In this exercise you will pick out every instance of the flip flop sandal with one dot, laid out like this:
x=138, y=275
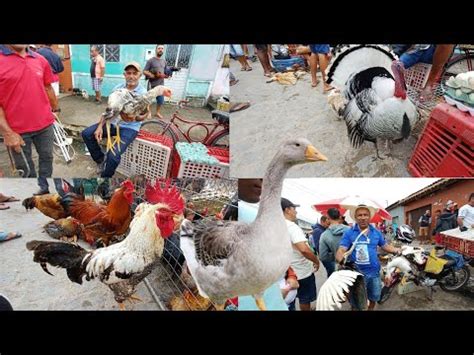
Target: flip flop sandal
x=239, y=106
x=4, y=236
x=9, y=199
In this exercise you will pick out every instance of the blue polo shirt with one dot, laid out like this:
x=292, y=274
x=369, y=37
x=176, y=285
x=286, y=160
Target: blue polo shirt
x=364, y=254
x=140, y=90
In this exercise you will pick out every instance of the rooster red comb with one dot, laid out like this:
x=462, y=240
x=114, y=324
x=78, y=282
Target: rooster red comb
x=128, y=185
x=168, y=195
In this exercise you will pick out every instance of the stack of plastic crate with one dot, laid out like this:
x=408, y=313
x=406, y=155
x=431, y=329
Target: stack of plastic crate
x=191, y=169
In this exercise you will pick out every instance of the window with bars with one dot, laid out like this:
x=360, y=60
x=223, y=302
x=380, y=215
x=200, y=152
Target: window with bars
x=110, y=52
x=178, y=55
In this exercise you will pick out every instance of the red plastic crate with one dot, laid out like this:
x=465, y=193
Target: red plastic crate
x=156, y=138
x=446, y=146
x=220, y=154
x=462, y=246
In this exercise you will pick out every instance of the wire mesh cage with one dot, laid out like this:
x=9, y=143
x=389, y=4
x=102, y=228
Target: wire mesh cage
x=170, y=282
x=416, y=78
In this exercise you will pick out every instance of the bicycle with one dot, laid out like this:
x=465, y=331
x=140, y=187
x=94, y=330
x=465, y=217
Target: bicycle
x=216, y=133
x=460, y=62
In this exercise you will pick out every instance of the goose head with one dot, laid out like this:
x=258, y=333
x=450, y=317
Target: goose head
x=299, y=151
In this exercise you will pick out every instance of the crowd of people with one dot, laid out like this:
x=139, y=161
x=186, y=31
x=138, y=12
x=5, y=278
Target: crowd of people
x=330, y=239
x=29, y=105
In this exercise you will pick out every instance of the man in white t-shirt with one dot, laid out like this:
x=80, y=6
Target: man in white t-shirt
x=304, y=262
x=186, y=227
x=466, y=214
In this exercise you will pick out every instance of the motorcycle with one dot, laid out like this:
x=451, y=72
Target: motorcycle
x=411, y=265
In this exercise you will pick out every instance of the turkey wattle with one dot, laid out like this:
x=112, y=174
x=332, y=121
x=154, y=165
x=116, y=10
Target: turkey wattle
x=371, y=95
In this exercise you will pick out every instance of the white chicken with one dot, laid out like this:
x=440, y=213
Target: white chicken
x=373, y=95
x=131, y=104
x=121, y=266
x=336, y=288
x=236, y=259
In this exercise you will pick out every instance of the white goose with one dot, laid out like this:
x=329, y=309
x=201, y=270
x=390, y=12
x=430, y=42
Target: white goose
x=239, y=259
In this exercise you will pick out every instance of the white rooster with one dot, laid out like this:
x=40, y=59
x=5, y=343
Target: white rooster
x=121, y=266
x=131, y=104
x=371, y=94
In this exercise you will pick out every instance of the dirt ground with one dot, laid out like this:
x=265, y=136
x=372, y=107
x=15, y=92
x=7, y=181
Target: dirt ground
x=77, y=114
x=281, y=111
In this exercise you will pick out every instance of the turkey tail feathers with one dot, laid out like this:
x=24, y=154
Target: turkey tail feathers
x=352, y=58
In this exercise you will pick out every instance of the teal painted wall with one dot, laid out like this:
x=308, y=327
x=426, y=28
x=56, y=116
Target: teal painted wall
x=205, y=62
x=203, y=66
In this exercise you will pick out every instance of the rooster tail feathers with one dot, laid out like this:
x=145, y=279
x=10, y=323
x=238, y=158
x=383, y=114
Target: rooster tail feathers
x=29, y=203
x=67, y=200
x=64, y=255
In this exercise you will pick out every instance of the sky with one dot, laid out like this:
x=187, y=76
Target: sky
x=385, y=191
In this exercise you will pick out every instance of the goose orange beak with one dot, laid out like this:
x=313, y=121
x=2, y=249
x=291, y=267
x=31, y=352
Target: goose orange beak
x=312, y=154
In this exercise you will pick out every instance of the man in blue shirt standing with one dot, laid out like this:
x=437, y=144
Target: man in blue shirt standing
x=318, y=229
x=363, y=239
x=129, y=127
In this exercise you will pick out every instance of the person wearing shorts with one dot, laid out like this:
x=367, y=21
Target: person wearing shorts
x=425, y=222
x=364, y=255
x=320, y=55
x=97, y=71
x=237, y=52
x=304, y=262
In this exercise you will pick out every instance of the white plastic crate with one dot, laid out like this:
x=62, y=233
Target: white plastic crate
x=408, y=287
x=194, y=170
x=417, y=76
x=145, y=157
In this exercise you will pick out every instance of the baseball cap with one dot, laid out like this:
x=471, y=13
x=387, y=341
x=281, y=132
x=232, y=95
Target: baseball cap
x=285, y=203
x=133, y=64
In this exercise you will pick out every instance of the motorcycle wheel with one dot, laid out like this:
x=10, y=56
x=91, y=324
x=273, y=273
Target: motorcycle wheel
x=450, y=283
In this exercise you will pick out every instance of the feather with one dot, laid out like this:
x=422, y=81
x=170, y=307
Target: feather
x=332, y=291
x=353, y=58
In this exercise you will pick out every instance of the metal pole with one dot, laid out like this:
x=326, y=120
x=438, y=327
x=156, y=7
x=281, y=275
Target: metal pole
x=154, y=295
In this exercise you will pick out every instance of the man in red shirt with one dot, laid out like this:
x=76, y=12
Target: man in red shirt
x=26, y=101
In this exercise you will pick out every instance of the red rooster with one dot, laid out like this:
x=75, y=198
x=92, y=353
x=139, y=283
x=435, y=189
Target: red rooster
x=102, y=222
